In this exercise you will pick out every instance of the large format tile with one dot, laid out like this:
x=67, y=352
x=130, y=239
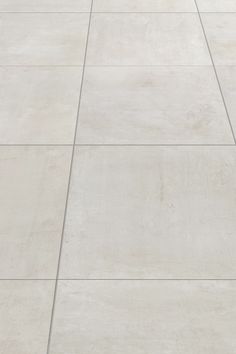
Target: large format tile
x=221, y=33
x=38, y=104
x=111, y=317
x=25, y=311
x=33, y=192
x=43, y=39
x=216, y=5
x=227, y=76
x=45, y=5
x=146, y=39
x=152, y=105
x=151, y=212
x=147, y=5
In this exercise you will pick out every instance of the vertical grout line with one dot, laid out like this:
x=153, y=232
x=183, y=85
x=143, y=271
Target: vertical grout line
x=68, y=187
x=217, y=78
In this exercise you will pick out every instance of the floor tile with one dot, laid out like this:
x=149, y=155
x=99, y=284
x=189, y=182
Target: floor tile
x=227, y=76
x=144, y=105
x=43, y=39
x=146, y=39
x=221, y=33
x=217, y=5
x=142, y=317
x=151, y=212
x=33, y=192
x=38, y=105
x=145, y=6
x=25, y=311
x=45, y=5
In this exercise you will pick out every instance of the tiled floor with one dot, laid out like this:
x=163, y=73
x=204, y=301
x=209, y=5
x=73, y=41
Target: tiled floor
x=117, y=177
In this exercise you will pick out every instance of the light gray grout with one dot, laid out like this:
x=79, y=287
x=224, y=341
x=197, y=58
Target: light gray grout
x=104, y=145
x=214, y=67
x=68, y=188
x=121, y=279
x=116, y=12
x=115, y=66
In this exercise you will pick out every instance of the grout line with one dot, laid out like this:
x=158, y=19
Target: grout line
x=123, y=279
x=143, y=145
x=127, y=145
x=68, y=188
x=115, y=66
x=116, y=12
x=214, y=67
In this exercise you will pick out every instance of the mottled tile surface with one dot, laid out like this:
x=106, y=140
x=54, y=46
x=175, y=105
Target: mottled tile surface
x=151, y=212
x=25, y=313
x=147, y=39
x=145, y=317
x=45, y=5
x=144, y=6
x=33, y=192
x=38, y=105
x=43, y=39
x=221, y=34
x=158, y=105
x=117, y=177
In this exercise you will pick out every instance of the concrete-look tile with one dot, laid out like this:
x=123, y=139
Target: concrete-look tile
x=38, y=105
x=216, y=5
x=147, y=5
x=227, y=76
x=25, y=311
x=43, y=39
x=151, y=212
x=111, y=317
x=45, y=5
x=152, y=105
x=146, y=39
x=33, y=192
x=221, y=34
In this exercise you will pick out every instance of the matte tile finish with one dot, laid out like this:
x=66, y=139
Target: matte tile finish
x=43, y=39
x=25, y=310
x=145, y=317
x=217, y=5
x=132, y=105
x=33, y=192
x=147, y=39
x=45, y=5
x=151, y=212
x=147, y=5
x=221, y=33
x=227, y=77
x=38, y=105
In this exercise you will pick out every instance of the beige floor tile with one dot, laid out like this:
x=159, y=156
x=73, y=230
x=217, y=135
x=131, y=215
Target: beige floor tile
x=38, y=105
x=142, y=105
x=25, y=311
x=33, y=192
x=146, y=39
x=217, y=5
x=111, y=317
x=227, y=76
x=147, y=5
x=221, y=33
x=45, y=5
x=43, y=39
x=151, y=212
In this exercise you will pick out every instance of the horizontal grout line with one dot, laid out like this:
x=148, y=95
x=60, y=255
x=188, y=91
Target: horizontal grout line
x=6, y=145
x=154, y=145
x=117, y=12
x=114, y=66
x=104, y=145
x=123, y=279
